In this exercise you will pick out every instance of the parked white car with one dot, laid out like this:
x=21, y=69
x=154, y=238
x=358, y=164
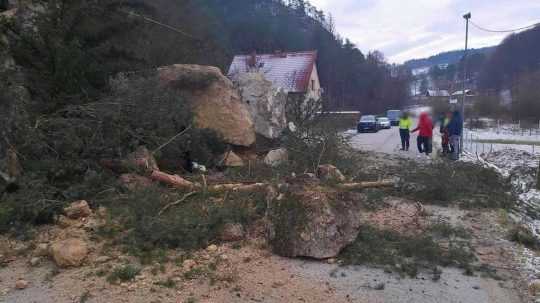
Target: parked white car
x=383, y=123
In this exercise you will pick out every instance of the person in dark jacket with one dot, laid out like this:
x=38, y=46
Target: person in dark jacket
x=455, y=131
x=425, y=134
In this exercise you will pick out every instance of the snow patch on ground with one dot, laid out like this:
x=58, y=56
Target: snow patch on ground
x=521, y=167
x=524, y=140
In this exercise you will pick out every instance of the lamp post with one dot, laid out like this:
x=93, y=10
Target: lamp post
x=466, y=17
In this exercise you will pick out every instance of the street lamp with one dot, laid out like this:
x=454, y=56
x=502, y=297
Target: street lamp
x=466, y=17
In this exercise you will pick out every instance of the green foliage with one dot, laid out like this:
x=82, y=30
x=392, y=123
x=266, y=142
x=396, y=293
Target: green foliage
x=192, y=225
x=406, y=254
x=60, y=151
x=316, y=141
x=123, y=273
x=287, y=215
x=468, y=185
x=446, y=230
x=523, y=235
x=69, y=52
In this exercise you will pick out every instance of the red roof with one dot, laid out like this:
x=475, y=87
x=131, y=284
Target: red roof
x=290, y=71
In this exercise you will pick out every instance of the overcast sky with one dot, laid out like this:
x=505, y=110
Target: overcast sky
x=407, y=29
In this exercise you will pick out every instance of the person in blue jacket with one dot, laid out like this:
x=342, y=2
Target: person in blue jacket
x=455, y=131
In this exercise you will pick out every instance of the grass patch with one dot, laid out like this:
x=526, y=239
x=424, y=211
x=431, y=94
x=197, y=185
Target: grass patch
x=405, y=254
x=123, y=273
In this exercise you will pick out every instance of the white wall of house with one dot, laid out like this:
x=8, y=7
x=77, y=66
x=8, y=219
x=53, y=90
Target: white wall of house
x=314, y=86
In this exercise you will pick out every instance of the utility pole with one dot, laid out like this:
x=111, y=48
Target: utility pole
x=466, y=17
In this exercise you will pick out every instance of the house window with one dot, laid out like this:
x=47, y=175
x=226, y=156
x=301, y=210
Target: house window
x=313, y=84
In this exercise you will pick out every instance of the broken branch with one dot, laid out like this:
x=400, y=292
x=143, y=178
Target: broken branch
x=172, y=139
x=176, y=202
x=238, y=187
x=364, y=185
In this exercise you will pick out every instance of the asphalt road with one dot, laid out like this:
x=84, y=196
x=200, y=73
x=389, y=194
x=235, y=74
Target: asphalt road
x=388, y=141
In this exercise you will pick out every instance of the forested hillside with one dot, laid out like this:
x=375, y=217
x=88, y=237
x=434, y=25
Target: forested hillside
x=451, y=57
x=516, y=57
x=212, y=32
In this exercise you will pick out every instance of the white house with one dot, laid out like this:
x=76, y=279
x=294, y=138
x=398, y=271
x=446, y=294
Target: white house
x=295, y=72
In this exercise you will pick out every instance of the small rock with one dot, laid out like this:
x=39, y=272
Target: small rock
x=78, y=209
x=188, y=264
x=329, y=172
x=534, y=287
x=42, y=250
x=20, y=248
x=212, y=248
x=331, y=261
x=103, y=259
x=21, y=284
x=476, y=287
x=230, y=159
x=379, y=286
x=232, y=232
x=69, y=252
x=35, y=261
x=66, y=222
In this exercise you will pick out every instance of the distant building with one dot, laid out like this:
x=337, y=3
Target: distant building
x=468, y=93
x=295, y=72
x=443, y=66
x=437, y=93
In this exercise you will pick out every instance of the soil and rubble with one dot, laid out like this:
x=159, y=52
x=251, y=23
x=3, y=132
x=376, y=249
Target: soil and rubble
x=242, y=267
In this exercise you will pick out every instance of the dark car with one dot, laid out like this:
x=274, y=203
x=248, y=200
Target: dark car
x=367, y=124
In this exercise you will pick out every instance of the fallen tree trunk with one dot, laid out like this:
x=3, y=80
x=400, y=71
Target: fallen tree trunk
x=172, y=180
x=364, y=185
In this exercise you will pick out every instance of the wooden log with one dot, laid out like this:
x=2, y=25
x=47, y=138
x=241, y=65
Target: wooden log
x=238, y=187
x=172, y=180
x=364, y=185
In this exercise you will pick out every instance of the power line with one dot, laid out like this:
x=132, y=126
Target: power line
x=503, y=31
x=177, y=30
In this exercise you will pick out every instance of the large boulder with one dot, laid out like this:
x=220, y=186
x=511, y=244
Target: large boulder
x=69, y=252
x=266, y=103
x=314, y=222
x=276, y=157
x=216, y=103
